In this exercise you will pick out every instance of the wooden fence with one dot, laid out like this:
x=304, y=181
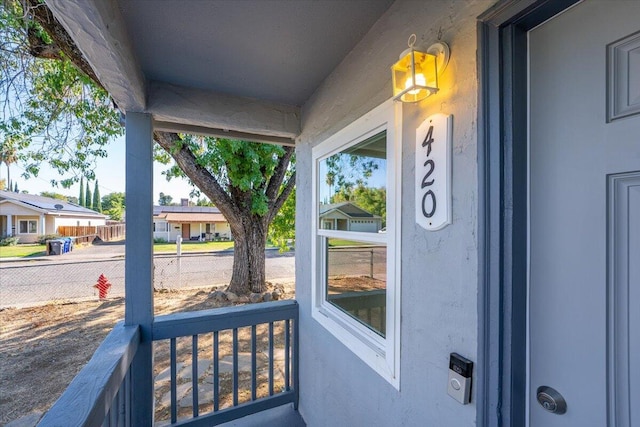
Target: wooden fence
x=105, y=232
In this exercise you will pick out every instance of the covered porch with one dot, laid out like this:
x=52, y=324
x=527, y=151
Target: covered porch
x=453, y=264
x=258, y=101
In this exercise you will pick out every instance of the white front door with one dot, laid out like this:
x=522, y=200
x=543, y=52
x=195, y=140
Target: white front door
x=584, y=218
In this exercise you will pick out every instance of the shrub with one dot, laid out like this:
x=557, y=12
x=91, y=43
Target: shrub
x=159, y=240
x=9, y=240
x=43, y=239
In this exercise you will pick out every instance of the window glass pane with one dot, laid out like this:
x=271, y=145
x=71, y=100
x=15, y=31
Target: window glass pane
x=357, y=281
x=23, y=227
x=353, y=187
x=33, y=227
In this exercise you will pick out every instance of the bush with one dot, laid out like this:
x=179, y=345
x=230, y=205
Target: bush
x=9, y=241
x=159, y=240
x=43, y=239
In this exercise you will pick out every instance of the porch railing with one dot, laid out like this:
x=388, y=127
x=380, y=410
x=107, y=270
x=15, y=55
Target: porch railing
x=246, y=375
x=101, y=393
x=240, y=369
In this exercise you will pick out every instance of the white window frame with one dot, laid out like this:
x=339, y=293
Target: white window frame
x=27, y=221
x=382, y=354
x=160, y=227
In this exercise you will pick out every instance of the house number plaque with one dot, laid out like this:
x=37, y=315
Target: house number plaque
x=433, y=172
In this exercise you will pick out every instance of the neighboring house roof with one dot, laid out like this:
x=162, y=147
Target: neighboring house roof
x=157, y=210
x=188, y=214
x=347, y=208
x=192, y=217
x=47, y=205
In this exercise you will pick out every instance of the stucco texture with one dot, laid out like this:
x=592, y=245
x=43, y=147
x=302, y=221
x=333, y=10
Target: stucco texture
x=439, y=269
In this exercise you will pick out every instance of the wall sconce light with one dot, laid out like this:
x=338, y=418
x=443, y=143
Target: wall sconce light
x=415, y=75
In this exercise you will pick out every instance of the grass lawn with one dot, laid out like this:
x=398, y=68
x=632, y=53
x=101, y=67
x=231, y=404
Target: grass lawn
x=22, y=251
x=189, y=246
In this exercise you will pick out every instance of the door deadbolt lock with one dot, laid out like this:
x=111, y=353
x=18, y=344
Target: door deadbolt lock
x=551, y=400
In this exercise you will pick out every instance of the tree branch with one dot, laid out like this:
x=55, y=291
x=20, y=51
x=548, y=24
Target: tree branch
x=284, y=195
x=278, y=175
x=200, y=176
x=62, y=42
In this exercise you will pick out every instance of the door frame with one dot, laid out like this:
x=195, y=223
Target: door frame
x=501, y=389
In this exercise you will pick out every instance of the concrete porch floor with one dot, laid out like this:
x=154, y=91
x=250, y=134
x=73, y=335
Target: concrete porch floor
x=282, y=416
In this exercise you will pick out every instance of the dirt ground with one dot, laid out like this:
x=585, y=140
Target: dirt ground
x=43, y=348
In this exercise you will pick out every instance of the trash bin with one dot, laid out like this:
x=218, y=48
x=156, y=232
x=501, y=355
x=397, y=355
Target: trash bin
x=55, y=247
x=68, y=245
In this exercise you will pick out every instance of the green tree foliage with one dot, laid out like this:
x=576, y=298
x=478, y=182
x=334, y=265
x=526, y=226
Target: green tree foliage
x=3, y=184
x=282, y=231
x=81, y=197
x=113, y=205
x=164, y=199
x=96, y=205
x=15, y=187
x=204, y=202
x=53, y=195
x=87, y=196
x=52, y=112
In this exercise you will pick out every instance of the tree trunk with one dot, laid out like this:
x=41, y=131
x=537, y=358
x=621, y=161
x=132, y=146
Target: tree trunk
x=250, y=238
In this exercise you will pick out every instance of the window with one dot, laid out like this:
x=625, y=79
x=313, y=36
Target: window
x=28, y=226
x=356, y=247
x=160, y=226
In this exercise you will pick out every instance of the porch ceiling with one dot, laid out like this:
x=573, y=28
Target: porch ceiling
x=221, y=67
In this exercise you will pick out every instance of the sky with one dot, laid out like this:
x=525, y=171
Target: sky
x=110, y=172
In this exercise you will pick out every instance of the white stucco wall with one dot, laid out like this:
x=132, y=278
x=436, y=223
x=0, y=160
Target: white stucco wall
x=439, y=269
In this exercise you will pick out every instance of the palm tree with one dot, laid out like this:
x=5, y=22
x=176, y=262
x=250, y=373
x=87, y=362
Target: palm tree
x=8, y=155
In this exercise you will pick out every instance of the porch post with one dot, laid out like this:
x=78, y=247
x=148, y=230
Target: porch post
x=9, y=225
x=43, y=225
x=139, y=260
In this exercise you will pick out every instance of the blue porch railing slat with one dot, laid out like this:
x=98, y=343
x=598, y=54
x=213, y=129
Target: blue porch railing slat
x=254, y=364
x=235, y=367
x=287, y=350
x=174, y=381
x=296, y=362
x=216, y=372
x=194, y=374
x=270, y=358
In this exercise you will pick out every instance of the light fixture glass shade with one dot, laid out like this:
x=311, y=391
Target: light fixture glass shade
x=415, y=76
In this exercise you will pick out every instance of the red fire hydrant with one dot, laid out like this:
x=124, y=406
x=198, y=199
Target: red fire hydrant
x=102, y=286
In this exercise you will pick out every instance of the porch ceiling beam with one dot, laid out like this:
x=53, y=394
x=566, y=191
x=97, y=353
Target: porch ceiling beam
x=218, y=114
x=99, y=31
x=220, y=133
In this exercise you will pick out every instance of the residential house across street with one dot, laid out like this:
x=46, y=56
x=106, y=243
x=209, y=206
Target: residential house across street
x=190, y=222
x=28, y=216
x=348, y=216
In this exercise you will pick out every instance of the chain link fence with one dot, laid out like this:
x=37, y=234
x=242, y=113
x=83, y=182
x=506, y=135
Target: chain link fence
x=40, y=282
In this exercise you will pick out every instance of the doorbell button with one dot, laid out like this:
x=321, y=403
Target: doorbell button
x=459, y=386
